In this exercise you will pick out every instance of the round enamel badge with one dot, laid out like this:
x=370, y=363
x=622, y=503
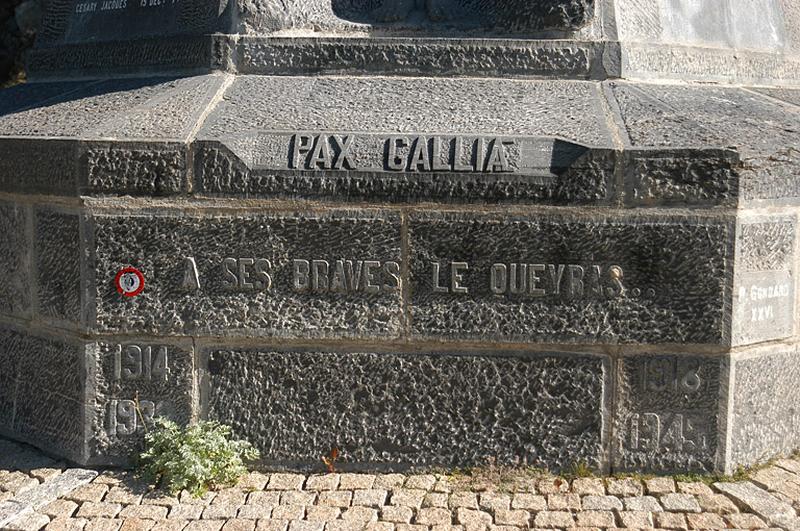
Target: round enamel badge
x=129, y=282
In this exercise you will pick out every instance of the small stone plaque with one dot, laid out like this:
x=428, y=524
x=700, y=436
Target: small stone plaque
x=568, y=278
x=667, y=410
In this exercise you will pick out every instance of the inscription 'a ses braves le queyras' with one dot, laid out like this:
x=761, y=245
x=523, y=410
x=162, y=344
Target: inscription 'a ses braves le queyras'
x=405, y=153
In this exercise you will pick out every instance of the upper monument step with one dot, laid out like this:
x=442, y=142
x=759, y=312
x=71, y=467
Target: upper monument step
x=752, y=41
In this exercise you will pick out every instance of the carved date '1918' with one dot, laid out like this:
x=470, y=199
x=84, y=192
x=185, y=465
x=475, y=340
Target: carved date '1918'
x=125, y=417
x=403, y=153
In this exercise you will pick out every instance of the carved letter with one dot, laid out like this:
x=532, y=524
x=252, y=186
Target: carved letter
x=229, y=278
x=497, y=161
x=301, y=144
x=459, y=153
x=392, y=269
x=191, y=279
x=420, y=159
x=498, y=280
x=263, y=279
x=300, y=278
x=345, y=146
x=576, y=273
x=436, y=156
x=321, y=155
x=456, y=277
x=369, y=277
x=517, y=281
x=338, y=283
x=533, y=279
x=394, y=161
x=319, y=275
x=244, y=275
x=555, y=278
x=436, y=287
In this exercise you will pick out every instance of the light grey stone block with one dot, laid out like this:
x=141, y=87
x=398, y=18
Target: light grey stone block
x=773, y=510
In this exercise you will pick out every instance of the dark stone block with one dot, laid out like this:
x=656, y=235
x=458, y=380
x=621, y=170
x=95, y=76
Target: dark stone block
x=15, y=259
x=765, y=419
x=134, y=382
x=39, y=166
x=667, y=413
x=58, y=265
x=284, y=274
x=568, y=279
x=136, y=168
x=46, y=391
x=395, y=410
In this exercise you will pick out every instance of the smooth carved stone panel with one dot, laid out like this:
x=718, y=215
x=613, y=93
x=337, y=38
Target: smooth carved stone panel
x=766, y=420
x=764, y=292
x=667, y=410
x=283, y=274
x=157, y=378
x=58, y=268
x=15, y=259
x=41, y=392
x=412, y=409
x=566, y=279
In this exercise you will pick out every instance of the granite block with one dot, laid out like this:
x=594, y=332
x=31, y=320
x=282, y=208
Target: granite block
x=156, y=378
x=397, y=409
x=570, y=279
x=667, y=412
x=57, y=249
x=290, y=274
x=135, y=168
x=15, y=259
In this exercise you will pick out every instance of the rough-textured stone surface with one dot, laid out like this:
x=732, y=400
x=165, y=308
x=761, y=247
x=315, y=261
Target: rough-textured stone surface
x=136, y=169
x=667, y=410
x=15, y=260
x=411, y=409
x=159, y=376
x=765, y=421
x=609, y=280
x=290, y=275
x=58, y=268
x=41, y=392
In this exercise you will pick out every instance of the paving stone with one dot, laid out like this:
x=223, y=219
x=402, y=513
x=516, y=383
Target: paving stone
x=240, y=524
x=93, y=492
x=66, y=524
x=339, y=498
x=387, y=481
x=716, y=503
x=17, y=482
x=759, y=501
x=381, y=526
x=554, y=519
x=45, y=473
x=552, y=486
x=642, y=503
x=397, y=514
x=272, y=525
x=790, y=465
x=98, y=509
x=471, y=517
x=221, y=511
x=655, y=486
x=286, y=482
x=342, y=525
x=159, y=497
x=779, y=481
x=492, y=501
x=151, y=512
x=408, y=497
x=595, y=519
x=32, y=521
x=170, y=525
x=254, y=481
x=371, y=497
x=468, y=500
x=204, y=525
x=322, y=482
x=512, y=517
x=625, y=487
x=123, y=495
x=188, y=498
x=234, y=496
x=59, y=509
x=678, y=503
x=110, y=477
x=436, y=499
x=601, y=503
x=297, y=497
x=288, y=512
x=745, y=521
x=422, y=481
x=362, y=481
x=533, y=502
x=671, y=521
x=360, y=514
x=563, y=502
x=585, y=486
x=411, y=527
x=186, y=512
x=103, y=524
x=302, y=525
x=137, y=524
x=705, y=521
x=321, y=513
x=267, y=498
x=637, y=519
x=254, y=512
x=695, y=488
x=433, y=516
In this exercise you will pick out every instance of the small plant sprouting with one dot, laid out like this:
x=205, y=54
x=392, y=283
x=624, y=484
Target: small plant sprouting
x=196, y=458
x=330, y=460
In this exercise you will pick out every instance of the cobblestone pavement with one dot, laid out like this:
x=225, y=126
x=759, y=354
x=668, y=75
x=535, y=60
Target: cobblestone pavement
x=39, y=493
